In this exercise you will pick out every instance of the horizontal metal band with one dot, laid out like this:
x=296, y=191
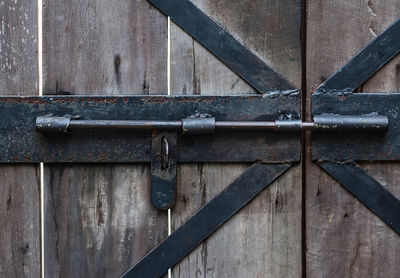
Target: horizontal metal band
x=20, y=142
x=207, y=220
x=359, y=145
x=367, y=190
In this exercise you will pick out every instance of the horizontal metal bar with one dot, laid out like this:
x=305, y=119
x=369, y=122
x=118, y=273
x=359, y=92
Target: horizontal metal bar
x=367, y=190
x=351, y=122
x=207, y=220
x=357, y=145
x=209, y=125
x=20, y=142
x=117, y=124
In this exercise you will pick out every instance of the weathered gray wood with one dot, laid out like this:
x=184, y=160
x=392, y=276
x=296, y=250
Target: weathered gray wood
x=99, y=218
x=104, y=48
x=18, y=48
x=344, y=239
x=19, y=187
x=19, y=221
x=264, y=239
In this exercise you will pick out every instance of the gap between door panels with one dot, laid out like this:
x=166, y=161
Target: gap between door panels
x=305, y=135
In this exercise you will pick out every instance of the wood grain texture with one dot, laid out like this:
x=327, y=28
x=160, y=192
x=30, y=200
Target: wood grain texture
x=104, y=48
x=99, y=218
x=19, y=221
x=264, y=239
x=345, y=239
x=18, y=48
x=19, y=187
x=270, y=29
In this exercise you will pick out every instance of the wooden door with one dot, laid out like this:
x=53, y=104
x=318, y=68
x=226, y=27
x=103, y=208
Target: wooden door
x=98, y=220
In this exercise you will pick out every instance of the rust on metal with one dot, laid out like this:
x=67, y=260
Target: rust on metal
x=133, y=118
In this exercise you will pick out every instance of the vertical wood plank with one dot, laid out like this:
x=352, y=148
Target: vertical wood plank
x=344, y=239
x=264, y=239
x=18, y=48
x=99, y=218
x=19, y=187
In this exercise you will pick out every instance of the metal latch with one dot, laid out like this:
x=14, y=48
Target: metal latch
x=164, y=137
x=65, y=124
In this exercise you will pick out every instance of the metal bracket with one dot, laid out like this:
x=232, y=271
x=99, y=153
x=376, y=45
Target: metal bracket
x=163, y=169
x=341, y=146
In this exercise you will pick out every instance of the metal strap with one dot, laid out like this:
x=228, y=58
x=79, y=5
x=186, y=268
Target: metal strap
x=223, y=45
x=368, y=61
x=357, y=146
x=20, y=142
x=207, y=220
x=163, y=169
x=367, y=190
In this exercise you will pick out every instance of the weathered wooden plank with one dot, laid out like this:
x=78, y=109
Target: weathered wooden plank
x=19, y=188
x=99, y=219
x=264, y=239
x=344, y=239
x=19, y=221
x=18, y=48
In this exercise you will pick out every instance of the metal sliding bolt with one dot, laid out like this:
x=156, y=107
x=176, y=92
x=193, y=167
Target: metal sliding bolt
x=326, y=122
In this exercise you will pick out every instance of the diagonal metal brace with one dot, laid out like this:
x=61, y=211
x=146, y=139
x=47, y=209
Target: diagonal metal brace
x=207, y=220
x=365, y=63
x=367, y=190
x=223, y=45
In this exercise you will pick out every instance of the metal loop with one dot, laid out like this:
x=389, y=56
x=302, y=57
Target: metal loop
x=164, y=153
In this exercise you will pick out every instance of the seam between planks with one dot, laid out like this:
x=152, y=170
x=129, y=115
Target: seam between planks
x=169, y=93
x=39, y=34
